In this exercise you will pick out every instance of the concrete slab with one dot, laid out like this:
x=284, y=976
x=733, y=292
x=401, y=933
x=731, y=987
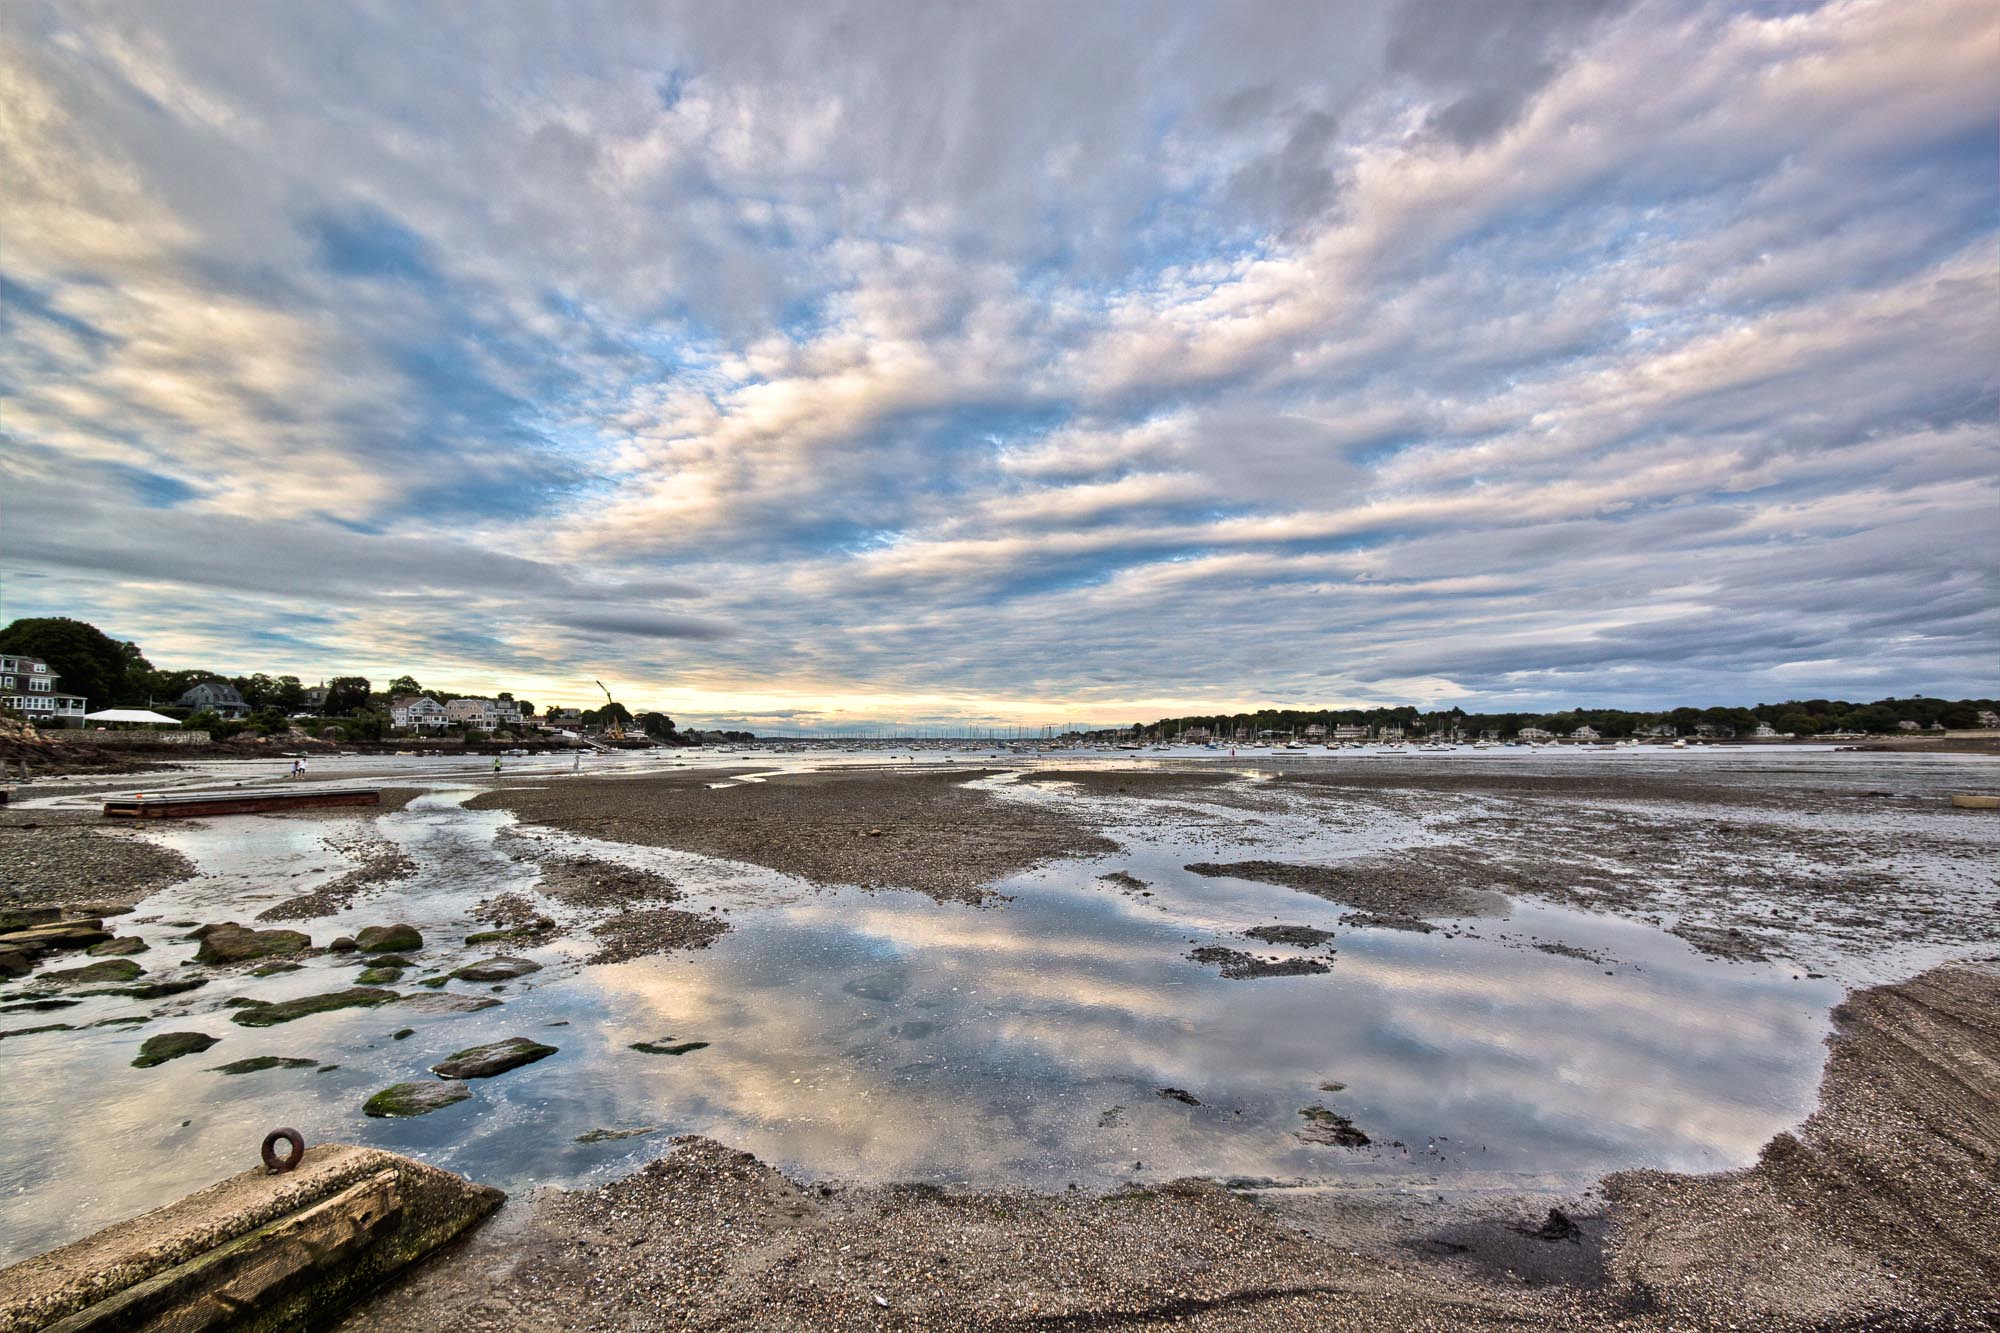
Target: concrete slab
x=257, y=1251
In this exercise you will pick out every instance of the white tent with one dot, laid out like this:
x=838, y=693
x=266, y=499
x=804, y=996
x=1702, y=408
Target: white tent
x=131, y=715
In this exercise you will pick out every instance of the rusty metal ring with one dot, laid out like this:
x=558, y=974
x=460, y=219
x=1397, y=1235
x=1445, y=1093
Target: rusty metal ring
x=275, y=1164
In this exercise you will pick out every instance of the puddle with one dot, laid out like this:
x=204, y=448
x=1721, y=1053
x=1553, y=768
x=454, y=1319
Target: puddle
x=881, y=1036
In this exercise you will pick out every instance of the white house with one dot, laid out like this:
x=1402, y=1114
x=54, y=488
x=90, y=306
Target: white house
x=28, y=687
x=1585, y=733
x=1350, y=731
x=506, y=713
x=416, y=712
x=1536, y=735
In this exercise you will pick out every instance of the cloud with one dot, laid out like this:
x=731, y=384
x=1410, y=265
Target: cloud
x=1012, y=364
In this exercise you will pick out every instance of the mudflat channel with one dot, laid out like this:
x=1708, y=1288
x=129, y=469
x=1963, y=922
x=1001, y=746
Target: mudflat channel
x=1261, y=1043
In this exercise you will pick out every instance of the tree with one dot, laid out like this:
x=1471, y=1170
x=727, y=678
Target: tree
x=89, y=661
x=1796, y=722
x=270, y=721
x=402, y=685
x=346, y=694
x=656, y=725
x=609, y=714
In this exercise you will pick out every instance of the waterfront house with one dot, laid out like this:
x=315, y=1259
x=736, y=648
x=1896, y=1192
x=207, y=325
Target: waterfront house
x=416, y=712
x=29, y=688
x=1350, y=731
x=219, y=697
x=564, y=719
x=1536, y=735
x=1315, y=732
x=507, y=714
x=1585, y=733
x=314, y=698
x=474, y=713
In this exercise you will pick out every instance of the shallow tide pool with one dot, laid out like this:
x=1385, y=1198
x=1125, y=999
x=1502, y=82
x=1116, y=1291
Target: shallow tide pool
x=880, y=1036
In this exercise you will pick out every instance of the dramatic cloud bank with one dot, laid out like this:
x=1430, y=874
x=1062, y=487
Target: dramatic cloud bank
x=1028, y=362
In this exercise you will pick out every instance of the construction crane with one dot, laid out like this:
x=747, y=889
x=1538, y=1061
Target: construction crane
x=611, y=728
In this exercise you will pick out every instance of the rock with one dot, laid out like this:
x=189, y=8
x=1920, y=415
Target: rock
x=171, y=1046
x=1304, y=937
x=151, y=990
x=609, y=1135
x=257, y=1064
x=284, y=1011
x=1559, y=1225
x=500, y=968
x=56, y=937
x=389, y=939
x=539, y=926
x=449, y=1004
x=400, y=1033
x=379, y=976
x=493, y=1058
x=15, y=963
x=118, y=946
x=1181, y=1095
x=343, y=944
x=108, y=971
x=46, y=1027
x=415, y=1098
x=388, y=960
x=660, y=1048
x=273, y=969
x=1324, y=1126
x=25, y=918
x=228, y=942
x=1239, y=966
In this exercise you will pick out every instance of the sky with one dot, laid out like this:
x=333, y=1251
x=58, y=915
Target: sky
x=797, y=366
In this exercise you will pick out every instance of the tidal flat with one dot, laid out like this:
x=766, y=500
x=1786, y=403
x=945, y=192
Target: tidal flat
x=1554, y=1005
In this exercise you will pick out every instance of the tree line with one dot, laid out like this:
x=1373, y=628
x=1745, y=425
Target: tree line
x=1796, y=717
x=113, y=673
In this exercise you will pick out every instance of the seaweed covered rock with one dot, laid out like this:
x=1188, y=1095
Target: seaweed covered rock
x=388, y=939
x=284, y=1011
x=171, y=1046
x=228, y=942
x=493, y=1058
x=499, y=968
x=405, y=1099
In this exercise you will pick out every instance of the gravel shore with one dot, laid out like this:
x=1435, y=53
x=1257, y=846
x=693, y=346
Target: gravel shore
x=884, y=829
x=64, y=861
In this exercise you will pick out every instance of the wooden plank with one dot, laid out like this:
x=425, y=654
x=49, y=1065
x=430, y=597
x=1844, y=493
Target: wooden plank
x=222, y=1284
x=232, y=803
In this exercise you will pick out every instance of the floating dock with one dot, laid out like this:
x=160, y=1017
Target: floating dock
x=260, y=800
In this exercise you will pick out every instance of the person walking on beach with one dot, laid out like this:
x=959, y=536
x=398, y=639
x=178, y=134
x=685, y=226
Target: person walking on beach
x=298, y=767
x=496, y=763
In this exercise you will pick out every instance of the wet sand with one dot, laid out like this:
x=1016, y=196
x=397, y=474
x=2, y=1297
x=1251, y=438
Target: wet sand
x=924, y=831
